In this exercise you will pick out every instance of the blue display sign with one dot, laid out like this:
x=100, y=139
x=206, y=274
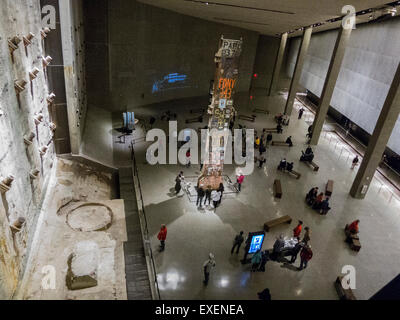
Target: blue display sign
x=257, y=241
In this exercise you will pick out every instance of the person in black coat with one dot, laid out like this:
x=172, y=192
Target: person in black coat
x=295, y=251
x=264, y=295
x=289, y=141
x=208, y=195
x=264, y=260
x=221, y=189
x=200, y=196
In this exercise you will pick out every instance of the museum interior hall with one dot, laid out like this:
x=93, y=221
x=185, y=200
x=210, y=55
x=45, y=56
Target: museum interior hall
x=199, y=150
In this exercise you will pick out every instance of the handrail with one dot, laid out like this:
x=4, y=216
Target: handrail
x=145, y=230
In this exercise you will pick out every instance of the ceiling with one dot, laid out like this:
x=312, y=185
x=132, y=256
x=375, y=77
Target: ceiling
x=270, y=17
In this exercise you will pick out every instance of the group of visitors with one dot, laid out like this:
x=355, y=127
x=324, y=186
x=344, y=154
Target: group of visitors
x=282, y=119
x=210, y=195
x=317, y=201
x=285, y=165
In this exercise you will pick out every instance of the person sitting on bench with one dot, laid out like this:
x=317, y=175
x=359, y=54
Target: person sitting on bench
x=279, y=118
x=289, y=141
x=318, y=201
x=289, y=166
x=309, y=151
x=351, y=230
x=269, y=138
x=278, y=247
x=311, y=196
x=307, y=157
x=279, y=128
x=282, y=165
x=325, y=206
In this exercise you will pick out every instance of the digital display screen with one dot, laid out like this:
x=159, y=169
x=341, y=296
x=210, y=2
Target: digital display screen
x=257, y=241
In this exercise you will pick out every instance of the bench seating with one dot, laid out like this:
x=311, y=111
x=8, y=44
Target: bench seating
x=247, y=118
x=260, y=111
x=271, y=130
x=295, y=173
x=355, y=243
x=280, y=143
x=329, y=188
x=278, y=221
x=344, y=294
x=194, y=120
x=278, y=189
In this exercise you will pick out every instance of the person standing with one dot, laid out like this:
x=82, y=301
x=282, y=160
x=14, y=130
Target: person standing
x=200, y=196
x=305, y=255
x=264, y=260
x=295, y=251
x=207, y=266
x=256, y=260
x=240, y=181
x=269, y=138
x=188, y=158
x=297, y=230
x=178, y=182
x=246, y=249
x=215, y=197
x=307, y=235
x=162, y=236
x=301, y=111
x=355, y=162
x=261, y=161
x=208, y=195
x=221, y=189
x=289, y=141
x=237, y=242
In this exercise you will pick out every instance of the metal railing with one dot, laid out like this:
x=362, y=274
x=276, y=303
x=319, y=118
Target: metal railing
x=145, y=230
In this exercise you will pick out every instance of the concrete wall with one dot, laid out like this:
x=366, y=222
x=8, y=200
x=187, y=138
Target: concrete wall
x=18, y=18
x=368, y=68
x=146, y=44
x=267, y=50
x=73, y=47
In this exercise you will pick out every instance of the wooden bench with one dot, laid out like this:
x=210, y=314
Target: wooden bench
x=314, y=165
x=247, y=118
x=329, y=188
x=260, y=111
x=275, y=222
x=194, y=120
x=271, y=130
x=278, y=189
x=280, y=143
x=344, y=294
x=295, y=173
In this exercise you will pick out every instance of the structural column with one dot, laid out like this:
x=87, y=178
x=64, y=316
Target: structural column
x=305, y=42
x=330, y=82
x=278, y=65
x=379, y=139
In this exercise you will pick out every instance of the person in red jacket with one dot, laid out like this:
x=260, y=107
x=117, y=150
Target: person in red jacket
x=162, y=236
x=305, y=256
x=351, y=229
x=239, y=181
x=297, y=230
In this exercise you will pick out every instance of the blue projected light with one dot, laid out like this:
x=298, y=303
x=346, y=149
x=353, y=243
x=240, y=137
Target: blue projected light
x=256, y=243
x=168, y=82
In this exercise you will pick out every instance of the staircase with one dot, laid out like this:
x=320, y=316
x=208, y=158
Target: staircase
x=137, y=277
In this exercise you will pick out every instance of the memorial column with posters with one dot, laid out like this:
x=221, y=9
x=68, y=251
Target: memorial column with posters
x=221, y=110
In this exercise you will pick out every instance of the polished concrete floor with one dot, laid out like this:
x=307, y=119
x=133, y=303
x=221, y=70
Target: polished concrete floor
x=194, y=233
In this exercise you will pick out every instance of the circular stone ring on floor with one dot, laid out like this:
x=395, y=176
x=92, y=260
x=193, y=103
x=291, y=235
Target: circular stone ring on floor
x=90, y=217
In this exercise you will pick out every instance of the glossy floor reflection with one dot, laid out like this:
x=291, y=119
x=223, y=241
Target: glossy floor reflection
x=193, y=233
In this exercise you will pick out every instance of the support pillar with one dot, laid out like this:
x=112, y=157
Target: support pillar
x=379, y=139
x=305, y=42
x=330, y=82
x=278, y=65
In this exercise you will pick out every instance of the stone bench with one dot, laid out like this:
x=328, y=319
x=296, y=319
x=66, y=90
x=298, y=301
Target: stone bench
x=278, y=221
x=278, y=189
x=329, y=188
x=344, y=294
x=280, y=144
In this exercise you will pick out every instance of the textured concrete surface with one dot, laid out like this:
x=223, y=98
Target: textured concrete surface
x=58, y=239
x=193, y=233
x=368, y=68
x=18, y=18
